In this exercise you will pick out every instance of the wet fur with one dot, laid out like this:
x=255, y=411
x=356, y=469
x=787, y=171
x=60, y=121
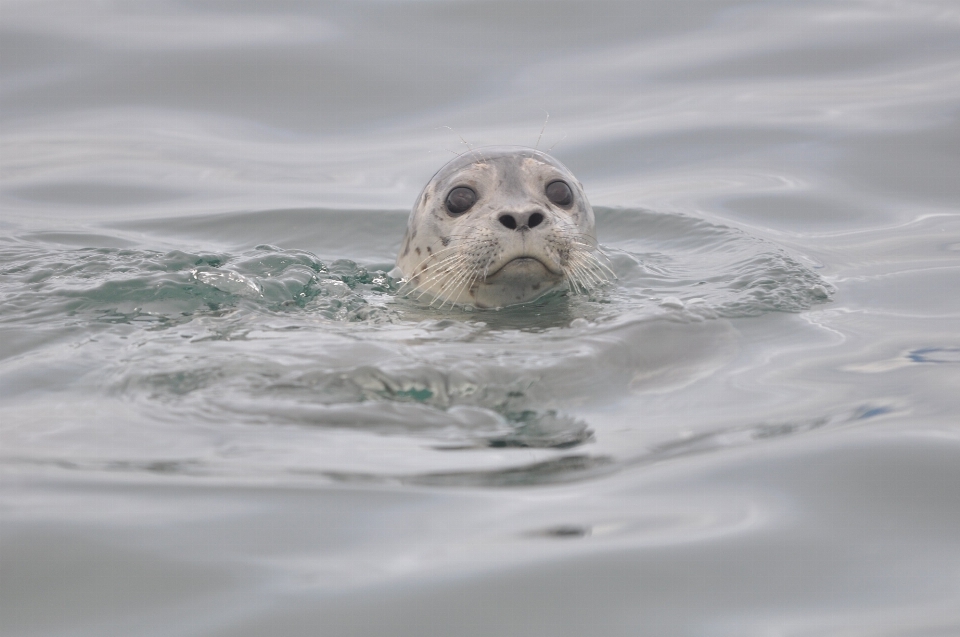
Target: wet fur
x=473, y=259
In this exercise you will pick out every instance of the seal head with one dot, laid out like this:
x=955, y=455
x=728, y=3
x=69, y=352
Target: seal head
x=500, y=226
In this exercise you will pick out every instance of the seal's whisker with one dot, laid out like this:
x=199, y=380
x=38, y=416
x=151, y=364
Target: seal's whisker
x=467, y=282
x=573, y=276
x=576, y=275
x=441, y=274
x=418, y=283
x=542, y=128
x=453, y=284
x=572, y=285
x=557, y=142
x=591, y=272
x=433, y=255
x=447, y=285
x=475, y=152
x=602, y=268
x=475, y=274
x=445, y=276
x=602, y=259
x=439, y=279
x=585, y=271
x=584, y=240
x=581, y=280
x=586, y=260
x=464, y=281
x=594, y=263
x=592, y=279
x=486, y=266
x=438, y=268
x=577, y=286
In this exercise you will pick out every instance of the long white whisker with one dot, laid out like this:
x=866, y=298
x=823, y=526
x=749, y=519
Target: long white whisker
x=442, y=276
x=573, y=276
x=457, y=282
x=584, y=266
x=449, y=276
x=462, y=287
x=433, y=256
x=590, y=259
x=557, y=142
x=584, y=285
x=543, y=128
x=424, y=266
x=448, y=284
x=587, y=271
x=437, y=274
x=597, y=276
x=472, y=277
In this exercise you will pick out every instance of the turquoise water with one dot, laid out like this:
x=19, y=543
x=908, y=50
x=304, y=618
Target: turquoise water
x=219, y=417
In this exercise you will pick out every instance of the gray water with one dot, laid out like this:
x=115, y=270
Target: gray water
x=220, y=418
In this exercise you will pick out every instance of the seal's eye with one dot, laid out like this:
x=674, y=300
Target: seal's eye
x=559, y=193
x=460, y=200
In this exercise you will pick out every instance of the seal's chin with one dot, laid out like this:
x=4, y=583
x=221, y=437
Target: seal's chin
x=518, y=281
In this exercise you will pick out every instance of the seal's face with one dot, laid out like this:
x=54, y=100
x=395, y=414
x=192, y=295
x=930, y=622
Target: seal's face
x=499, y=226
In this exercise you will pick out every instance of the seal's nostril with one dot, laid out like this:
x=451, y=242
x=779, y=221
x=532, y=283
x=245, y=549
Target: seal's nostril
x=508, y=221
x=535, y=220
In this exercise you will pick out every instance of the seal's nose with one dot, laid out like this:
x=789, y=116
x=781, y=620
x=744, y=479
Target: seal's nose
x=521, y=220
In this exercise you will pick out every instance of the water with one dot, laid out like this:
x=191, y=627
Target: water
x=219, y=418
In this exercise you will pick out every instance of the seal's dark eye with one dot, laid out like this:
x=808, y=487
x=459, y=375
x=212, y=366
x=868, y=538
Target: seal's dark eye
x=460, y=200
x=559, y=193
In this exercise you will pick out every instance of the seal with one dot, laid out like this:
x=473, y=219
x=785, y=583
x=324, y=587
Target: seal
x=499, y=226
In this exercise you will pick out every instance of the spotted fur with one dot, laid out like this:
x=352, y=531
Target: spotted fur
x=475, y=259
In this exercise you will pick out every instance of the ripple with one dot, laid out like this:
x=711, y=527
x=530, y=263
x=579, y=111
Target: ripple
x=268, y=336
x=679, y=262
x=935, y=355
x=554, y=471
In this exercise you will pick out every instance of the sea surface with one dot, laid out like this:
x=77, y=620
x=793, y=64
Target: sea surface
x=218, y=417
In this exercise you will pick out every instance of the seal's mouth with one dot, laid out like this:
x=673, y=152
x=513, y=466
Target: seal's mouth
x=524, y=267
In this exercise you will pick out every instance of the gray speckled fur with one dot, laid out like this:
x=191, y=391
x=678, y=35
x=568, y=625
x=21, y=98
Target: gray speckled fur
x=501, y=266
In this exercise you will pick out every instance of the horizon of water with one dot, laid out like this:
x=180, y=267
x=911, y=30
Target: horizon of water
x=219, y=417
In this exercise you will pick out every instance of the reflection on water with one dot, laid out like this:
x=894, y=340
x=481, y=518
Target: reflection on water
x=222, y=418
